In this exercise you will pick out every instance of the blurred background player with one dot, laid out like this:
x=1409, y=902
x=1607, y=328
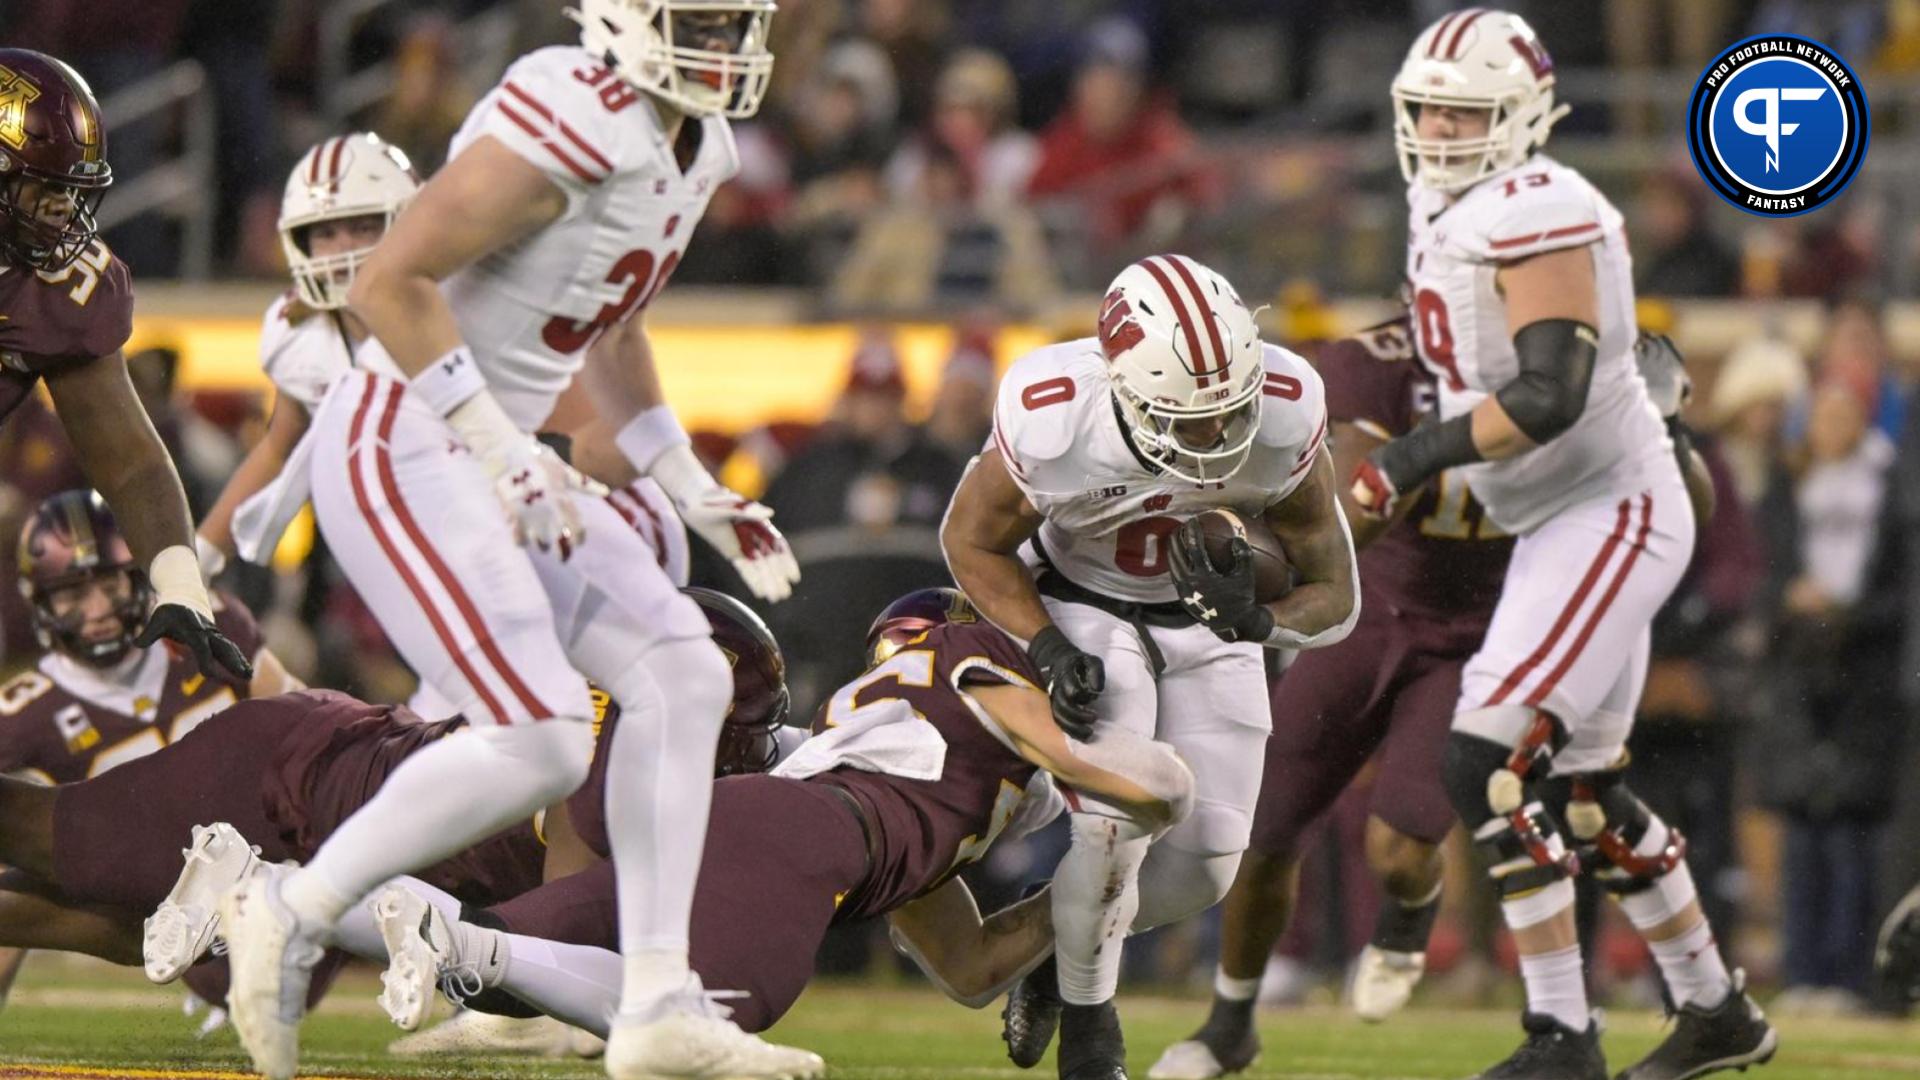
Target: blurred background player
x=65, y=312
x=1523, y=307
x=572, y=189
x=1064, y=534
x=1428, y=581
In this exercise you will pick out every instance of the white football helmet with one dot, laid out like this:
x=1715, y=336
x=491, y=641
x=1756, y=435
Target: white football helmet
x=1183, y=353
x=343, y=177
x=1474, y=59
x=636, y=38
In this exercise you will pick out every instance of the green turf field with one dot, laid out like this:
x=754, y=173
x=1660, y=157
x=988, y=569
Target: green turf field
x=108, y=1020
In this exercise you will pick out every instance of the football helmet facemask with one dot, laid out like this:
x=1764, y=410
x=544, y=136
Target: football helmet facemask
x=1185, y=364
x=348, y=176
x=53, y=161
x=1474, y=59
x=69, y=542
x=703, y=57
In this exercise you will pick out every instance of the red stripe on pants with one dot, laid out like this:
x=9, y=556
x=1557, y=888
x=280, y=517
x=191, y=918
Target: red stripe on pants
x=1600, y=609
x=1560, y=625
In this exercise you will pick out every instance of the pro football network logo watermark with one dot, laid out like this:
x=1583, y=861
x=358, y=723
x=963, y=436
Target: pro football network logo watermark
x=1778, y=125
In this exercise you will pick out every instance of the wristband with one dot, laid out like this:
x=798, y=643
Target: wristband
x=450, y=381
x=175, y=577
x=647, y=436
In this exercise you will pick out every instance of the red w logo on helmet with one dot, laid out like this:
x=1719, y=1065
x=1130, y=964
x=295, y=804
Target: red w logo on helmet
x=1118, y=329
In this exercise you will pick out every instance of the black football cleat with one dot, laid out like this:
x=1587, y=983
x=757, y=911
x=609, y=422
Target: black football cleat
x=1226, y=1043
x=1031, y=1015
x=1553, y=1051
x=1731, y=1035
x=1091, y=1045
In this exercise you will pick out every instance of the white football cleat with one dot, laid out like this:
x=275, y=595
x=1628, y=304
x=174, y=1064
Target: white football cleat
x=417, y=943
x=688, y=1037
x=469, y=1033
x=1190, y=1060
x=1383, y=980
x=185, y=925
x=271, y=961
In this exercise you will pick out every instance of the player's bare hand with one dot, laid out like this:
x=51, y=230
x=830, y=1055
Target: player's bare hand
x=212, y=652
x=1074, y=680
x=1373, y=491
x=1220, y=600
x=743, y=531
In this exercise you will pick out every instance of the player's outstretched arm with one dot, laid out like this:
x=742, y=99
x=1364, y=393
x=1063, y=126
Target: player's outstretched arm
x=1351, y=445
x=213, y=541
x=1312, y=530
x=1552, y=309
x=971, y=959
x=987, y=521
x=1142, y=777
x=125, y=460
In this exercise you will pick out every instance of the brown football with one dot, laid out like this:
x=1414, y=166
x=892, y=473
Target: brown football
x=1272, y=574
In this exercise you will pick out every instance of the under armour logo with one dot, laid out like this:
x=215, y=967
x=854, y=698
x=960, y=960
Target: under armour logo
x=1197, y=606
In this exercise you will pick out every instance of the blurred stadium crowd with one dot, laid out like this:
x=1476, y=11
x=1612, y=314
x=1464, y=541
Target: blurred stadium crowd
x=981, y=160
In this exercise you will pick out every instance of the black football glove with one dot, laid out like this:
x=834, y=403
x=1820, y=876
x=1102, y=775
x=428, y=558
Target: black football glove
x=1074, y=679
x=182, y=624
x=1221, y=601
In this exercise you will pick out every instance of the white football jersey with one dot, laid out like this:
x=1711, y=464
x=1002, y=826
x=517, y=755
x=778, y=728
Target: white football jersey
x=1108, y=510
x=530, y=311
x=1454, y=251
x=302, y=358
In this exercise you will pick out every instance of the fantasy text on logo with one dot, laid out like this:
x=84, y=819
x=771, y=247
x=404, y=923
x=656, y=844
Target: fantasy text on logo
x=1778, y=125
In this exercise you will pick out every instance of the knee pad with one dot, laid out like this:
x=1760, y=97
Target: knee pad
x=1624, y=844
x=555, y=753
x=1517, y=838
x=1176, y=884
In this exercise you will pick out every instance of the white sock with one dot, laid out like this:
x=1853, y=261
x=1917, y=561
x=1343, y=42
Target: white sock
x=1095, y=895
x=1228, y=988
x=1693, y=968
x=657, y=815
x=1557, y=987
x=574, y=983
x=464, y=788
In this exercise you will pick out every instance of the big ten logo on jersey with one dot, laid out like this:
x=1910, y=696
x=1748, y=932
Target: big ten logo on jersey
x=1778, y=125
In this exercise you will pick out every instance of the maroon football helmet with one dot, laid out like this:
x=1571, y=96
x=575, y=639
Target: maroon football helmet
x=760, y=699
x=53, y=160
x=910, y=617
x=72, y=540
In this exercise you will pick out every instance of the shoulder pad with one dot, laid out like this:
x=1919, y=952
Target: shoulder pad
x=1294, y=412
x=1540, y=206
x=79, y=313
x=562, y=111
x=1043, y=395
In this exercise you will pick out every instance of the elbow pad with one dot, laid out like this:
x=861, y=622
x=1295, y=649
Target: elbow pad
x=1556, y=367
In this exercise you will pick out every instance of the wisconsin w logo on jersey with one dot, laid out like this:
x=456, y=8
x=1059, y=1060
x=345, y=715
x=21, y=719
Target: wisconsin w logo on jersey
x=16, y=93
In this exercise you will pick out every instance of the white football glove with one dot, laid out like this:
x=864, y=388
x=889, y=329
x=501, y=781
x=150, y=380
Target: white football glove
x=533, y=485
x=736, y=526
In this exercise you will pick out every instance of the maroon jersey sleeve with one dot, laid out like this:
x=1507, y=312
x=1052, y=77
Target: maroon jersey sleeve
x=232, y=618
x=68, y=316
x=31, y=743
x=972, y=653
x=1372, y=378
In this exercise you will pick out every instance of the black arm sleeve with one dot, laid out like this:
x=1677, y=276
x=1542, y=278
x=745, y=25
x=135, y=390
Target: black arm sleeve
x=1556, y=367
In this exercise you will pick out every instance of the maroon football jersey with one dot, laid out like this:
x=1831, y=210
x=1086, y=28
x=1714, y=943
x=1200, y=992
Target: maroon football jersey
x=924, y=831
x=342, y=751
x=64, y=721
x=51, y=320
x=1444, y=560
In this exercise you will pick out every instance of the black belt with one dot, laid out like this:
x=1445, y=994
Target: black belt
x=1166, y=614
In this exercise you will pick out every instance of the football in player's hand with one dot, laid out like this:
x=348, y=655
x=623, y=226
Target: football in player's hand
x=1272, y=574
